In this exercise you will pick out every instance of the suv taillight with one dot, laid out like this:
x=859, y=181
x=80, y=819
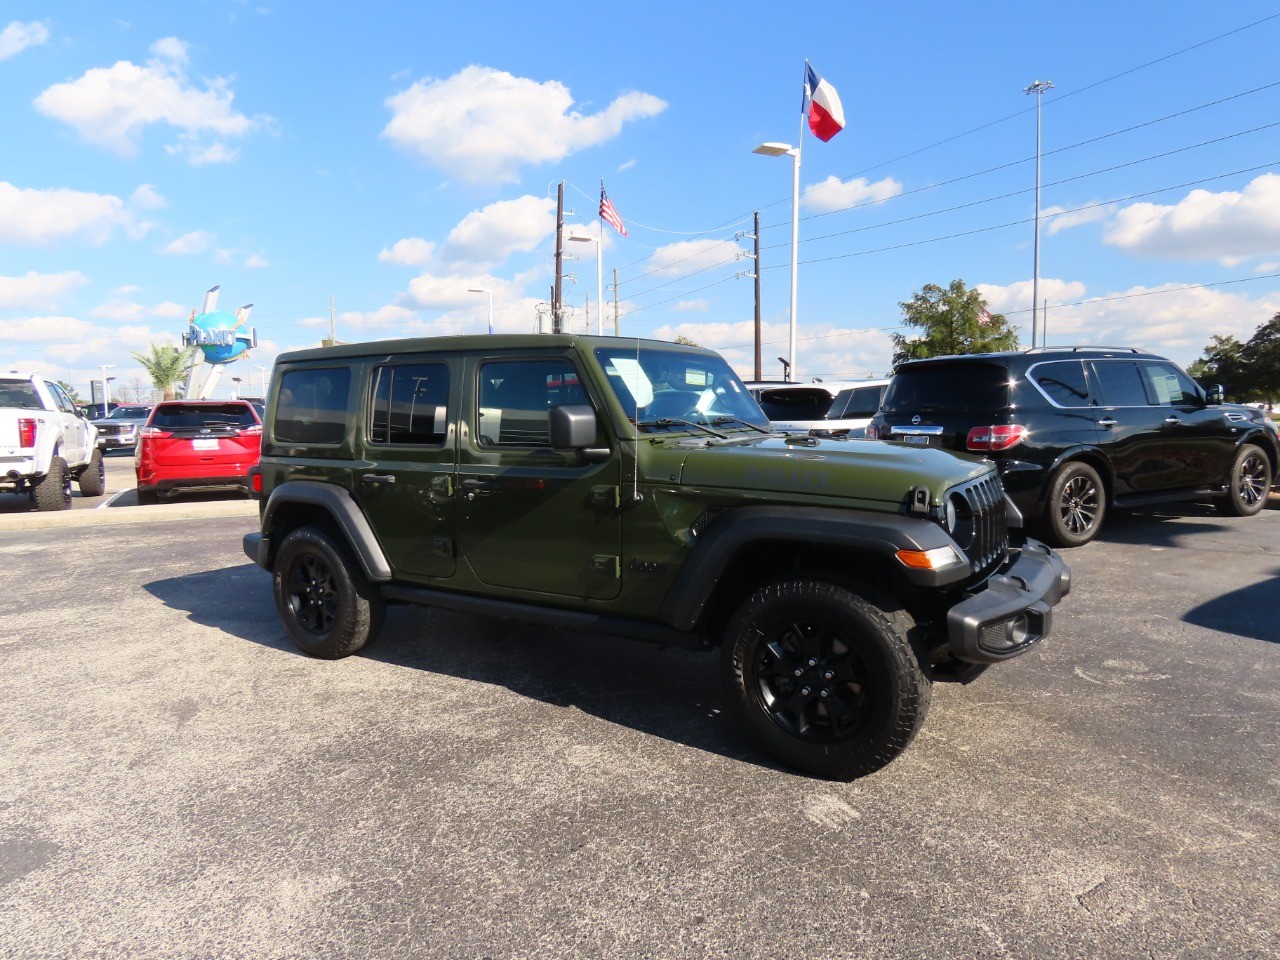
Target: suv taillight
x=995, y=438
x=27, y=431
x=154, y=433
x=253, y=431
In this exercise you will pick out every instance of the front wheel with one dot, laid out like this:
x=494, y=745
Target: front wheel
x=1077, y=504
x=93, y=480
x=322, y=596
x=824, y=679
x=1248, y=483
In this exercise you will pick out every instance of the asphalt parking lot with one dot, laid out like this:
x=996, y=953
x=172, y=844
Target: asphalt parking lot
x=177, y=781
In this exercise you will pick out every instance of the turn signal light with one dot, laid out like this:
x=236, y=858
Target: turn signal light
x=27, y=431
x=934, y=559
x=996, y=437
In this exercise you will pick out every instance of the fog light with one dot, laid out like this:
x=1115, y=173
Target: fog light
x=1005, y=635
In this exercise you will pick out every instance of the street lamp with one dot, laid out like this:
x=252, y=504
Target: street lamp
x=263, y=371
x=1038, y=88
x=599, y=281
x=490, y=293
x=236, y=388
x=106, y=387
x=787, y=150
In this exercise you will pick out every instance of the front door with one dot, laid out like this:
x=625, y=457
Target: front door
x=533, y=518
x=405, y=484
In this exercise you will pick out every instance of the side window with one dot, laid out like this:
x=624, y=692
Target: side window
x=409, y=404
x=1122, y=383
x=516, y=395
x=1170, y=386
x=60, y=397
x=312, y=406
x=1063, y=382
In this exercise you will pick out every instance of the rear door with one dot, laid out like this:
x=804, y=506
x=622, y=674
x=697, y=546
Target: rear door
x=533, y=518
x=75, y=429
x=406, y=483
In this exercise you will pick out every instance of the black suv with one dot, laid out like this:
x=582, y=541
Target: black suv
x=1075, y=430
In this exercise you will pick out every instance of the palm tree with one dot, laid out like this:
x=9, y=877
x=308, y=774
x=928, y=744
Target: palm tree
x=167, y=366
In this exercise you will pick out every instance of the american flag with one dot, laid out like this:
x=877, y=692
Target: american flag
x=984, y=317
x=610, y=215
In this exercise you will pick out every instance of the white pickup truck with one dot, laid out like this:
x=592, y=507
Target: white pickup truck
x=45, y=443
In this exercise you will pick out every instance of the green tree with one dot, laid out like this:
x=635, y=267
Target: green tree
x=1223, y=362
x=950, y=320
x=166, y=366
x=1261, y=357
x=71, y=392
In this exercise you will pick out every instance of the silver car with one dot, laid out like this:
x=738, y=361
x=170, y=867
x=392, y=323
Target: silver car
x=119, y=429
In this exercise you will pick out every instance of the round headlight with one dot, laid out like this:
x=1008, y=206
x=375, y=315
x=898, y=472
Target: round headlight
x=950, y=516
x=959, y=519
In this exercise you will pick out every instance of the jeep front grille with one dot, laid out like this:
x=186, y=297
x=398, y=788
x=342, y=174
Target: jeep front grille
x=989, y=543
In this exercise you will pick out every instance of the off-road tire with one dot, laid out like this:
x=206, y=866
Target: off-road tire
x=93, y=479
x=855, y=646
x=1248, y=483
x=53, y=490
x=329, y=608
x=147, y=498
x=1077, y=503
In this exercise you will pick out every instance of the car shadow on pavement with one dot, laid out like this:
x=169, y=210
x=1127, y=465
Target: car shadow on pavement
x=667, y=692
x=1247, y=612
x=1166, y=525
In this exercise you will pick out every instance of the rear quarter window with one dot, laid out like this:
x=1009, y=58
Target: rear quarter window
x=795, y=404
x=1062, y=381
x=312, y=406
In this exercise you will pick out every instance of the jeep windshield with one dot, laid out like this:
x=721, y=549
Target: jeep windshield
x=960, y=387
x=667, y=390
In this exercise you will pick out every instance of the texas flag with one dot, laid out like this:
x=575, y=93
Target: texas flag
x=826, y=115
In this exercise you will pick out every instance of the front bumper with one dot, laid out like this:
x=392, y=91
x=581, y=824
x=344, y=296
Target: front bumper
x=1014, y=611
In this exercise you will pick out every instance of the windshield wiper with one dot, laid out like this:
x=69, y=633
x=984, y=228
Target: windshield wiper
x=671, y=422
x=717, y=421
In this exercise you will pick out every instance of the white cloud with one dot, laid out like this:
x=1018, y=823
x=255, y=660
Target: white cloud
x=38, y=289
x=197, y=241
x=1060, y=219
x=692, y=306
x=409, y=252
x=256, y=262
x=836, y=194
x=1170, y=319
x=488, y=236
x=17, y=36
x=1228, y=227
x=111, y=106
x=689, y=256
x=626, y=165
x=146, y=198
x=40, y=216
x=481, y=125
x=452, y=292
x=199, y=155
x=120, y=309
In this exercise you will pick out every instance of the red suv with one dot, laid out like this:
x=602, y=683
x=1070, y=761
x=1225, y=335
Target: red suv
x=189, y=444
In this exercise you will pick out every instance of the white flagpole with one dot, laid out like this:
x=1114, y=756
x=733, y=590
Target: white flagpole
x=795, y=224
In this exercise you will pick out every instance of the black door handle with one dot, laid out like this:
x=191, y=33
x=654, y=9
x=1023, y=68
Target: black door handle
x=387, y=478
x=481, y=488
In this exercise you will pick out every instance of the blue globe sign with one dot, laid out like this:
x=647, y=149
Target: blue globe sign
x=220, y=335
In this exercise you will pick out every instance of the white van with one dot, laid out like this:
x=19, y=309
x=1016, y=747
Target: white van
x=835, y=408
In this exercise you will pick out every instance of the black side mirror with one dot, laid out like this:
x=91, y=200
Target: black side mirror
x=574, y=427
x=1214, y=394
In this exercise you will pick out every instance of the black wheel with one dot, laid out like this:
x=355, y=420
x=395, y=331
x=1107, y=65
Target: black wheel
x=53, y=490
x=327, y=605
x=147, y=497
x=824, y=679
x=1077, y=504
x=93, y=479
x=1248, y=484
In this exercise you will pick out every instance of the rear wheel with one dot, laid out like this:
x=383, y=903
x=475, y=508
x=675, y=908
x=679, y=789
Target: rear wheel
x=1077, y=504
x=824, y=679
x=93, y=479
x=53, y=490
x=1248, y=484
x=322, y=596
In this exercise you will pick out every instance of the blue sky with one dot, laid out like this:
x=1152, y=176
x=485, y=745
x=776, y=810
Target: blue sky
x=394, y=156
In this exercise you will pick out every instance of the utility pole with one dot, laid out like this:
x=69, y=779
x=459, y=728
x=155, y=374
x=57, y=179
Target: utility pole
x=757, y=272
x=557, y=305
x=332, y=336
x=1038, y=88
x=617, y=323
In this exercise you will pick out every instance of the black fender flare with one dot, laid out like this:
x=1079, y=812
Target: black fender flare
x=879, y=536
x=338, y=503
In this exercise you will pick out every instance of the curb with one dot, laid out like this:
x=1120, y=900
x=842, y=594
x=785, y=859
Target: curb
x=162, y=511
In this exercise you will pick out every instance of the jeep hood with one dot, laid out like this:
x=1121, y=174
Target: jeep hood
x=868, y=470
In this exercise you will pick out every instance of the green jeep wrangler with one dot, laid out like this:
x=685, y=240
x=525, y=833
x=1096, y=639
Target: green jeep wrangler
x=634, y=488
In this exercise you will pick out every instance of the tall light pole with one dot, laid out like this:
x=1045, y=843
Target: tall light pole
x=235, y=391
x=599, y=280
x=485, y=290
x=106, y=388
x=787, y=150
x=263, y=371
x=1038, y=88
